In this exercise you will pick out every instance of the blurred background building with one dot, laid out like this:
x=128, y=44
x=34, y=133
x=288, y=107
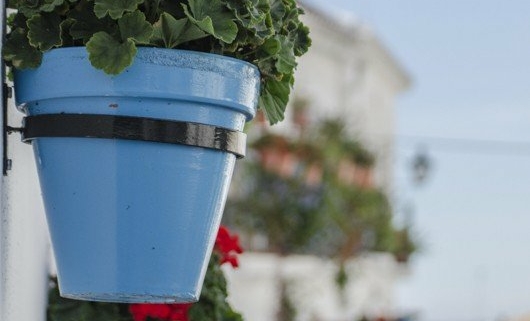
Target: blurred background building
x=346, y=84
x=349, y=74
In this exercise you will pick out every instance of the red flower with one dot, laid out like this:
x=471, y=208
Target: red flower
x=167, y=312
x=226, y=245
x=180, y=312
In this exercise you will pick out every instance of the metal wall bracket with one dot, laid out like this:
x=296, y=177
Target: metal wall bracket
x=7, y=130
x=6, y=162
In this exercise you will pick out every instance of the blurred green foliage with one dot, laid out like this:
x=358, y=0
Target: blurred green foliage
x=315, y=195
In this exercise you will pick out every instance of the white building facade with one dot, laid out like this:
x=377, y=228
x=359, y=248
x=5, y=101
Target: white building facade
x=349, y=75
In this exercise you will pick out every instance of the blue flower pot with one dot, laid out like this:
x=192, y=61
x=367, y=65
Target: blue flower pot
x=134, y=220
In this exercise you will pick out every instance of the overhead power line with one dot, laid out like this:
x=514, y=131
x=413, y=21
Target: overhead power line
x=464, y=145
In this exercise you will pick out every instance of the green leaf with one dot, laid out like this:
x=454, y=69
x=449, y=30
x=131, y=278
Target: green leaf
x=266, y=66
x=13, y=4
x=151, y=9
x=115, y=8
x=26, y=7
x=16, y=20
x=110, y=55
x=277, y=13
x=172, y=32
x=212, y=304
x=87, y=24
x=45, y=31
x=286, y=60
x=50, y=5
x=274, y=97
x=213, y=18
x=66, y=38
x=19, y=52
x=271, y=47
x=134, y=26
x=251, y=15
x=301, y=40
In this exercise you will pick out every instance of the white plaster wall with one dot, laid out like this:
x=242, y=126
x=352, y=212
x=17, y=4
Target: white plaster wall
x=253, y=286
x=24, y=244
x=348, y=74
x=326, y=75
x=311, y=283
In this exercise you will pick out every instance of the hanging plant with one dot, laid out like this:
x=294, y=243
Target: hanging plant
x=266, y=33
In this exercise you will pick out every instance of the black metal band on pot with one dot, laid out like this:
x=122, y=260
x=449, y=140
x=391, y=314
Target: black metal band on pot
x=134, y=128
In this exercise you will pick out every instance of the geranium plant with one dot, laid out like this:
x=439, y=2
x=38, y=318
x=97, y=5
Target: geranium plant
x=267, y=33
x=212, y=305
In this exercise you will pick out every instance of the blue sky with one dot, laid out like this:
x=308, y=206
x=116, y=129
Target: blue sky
x=470, y=65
